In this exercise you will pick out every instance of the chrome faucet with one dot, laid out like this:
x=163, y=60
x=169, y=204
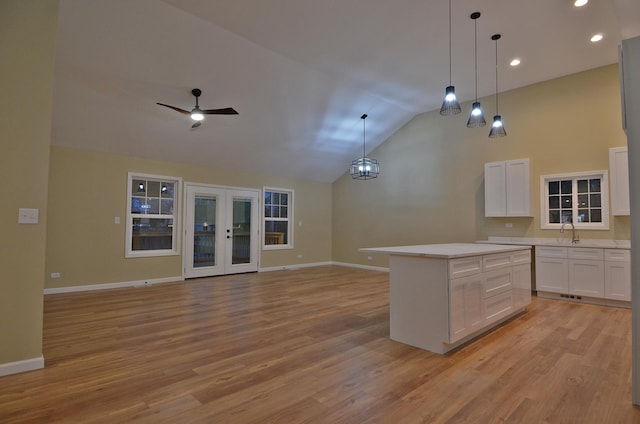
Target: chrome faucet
x=574, y=236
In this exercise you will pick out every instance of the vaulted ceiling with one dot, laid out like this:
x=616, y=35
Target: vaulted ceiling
x=300, y=72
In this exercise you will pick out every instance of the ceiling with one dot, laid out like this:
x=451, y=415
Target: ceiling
x=299, y=72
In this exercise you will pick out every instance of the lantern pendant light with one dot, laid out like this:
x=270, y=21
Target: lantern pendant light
x=364, y=168
x=476, y=117
x=450, y=105
x=497, y=128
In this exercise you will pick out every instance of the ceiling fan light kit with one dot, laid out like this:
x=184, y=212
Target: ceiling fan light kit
x=196, y=113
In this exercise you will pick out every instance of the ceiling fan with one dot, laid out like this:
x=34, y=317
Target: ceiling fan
x=197, y=114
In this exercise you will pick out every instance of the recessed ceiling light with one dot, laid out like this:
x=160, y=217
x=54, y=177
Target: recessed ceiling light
x=515, y=62
x=597, y=37
x=580, y=3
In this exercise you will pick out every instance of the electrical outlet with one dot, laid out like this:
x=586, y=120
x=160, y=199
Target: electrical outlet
x=55, y=275
x=300, y=256
x=116, y=220
x=370, y=258
x=508, y=225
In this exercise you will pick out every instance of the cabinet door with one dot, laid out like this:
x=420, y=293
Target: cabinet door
x=495, y=189
x=619, y=180
x=518, y=187
x=586, y=278
x=552, y=275
x=617, y=280
x=521, y=285
x=465, y=306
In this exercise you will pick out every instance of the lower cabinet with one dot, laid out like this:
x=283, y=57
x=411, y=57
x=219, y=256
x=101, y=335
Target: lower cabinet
x=590, y=272
x=465, y=306
x=498, y=286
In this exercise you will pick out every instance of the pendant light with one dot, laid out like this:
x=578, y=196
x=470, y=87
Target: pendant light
x=364, y=168
x=450, y=105
x=497, y=128
x=476, y=117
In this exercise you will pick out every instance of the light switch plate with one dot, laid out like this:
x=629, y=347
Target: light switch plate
x=27, y=216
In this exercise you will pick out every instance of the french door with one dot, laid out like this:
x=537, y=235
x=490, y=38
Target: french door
x=221, y=231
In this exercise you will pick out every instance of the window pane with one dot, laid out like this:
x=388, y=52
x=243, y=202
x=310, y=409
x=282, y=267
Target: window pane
x=594, y=184
x=583, y=200
x=267, y=211
x=596, y=215
x=583, y=215
x=138, y=188
x=554, y=202
x=151, y=234
x=566, y=202
x=566, y=186
x=583, y=186
x=167, y=190
x=136, y=204
x=554, y=217
x=276, y=232
x=596, y=200
x=153, y=189
x=284, y=198
x=275, y=212
x=554, y=187
x=267, y=197
x=166, y=207
x=567, y=216
x=153, y=206
x=283, y=212
x=275, y=198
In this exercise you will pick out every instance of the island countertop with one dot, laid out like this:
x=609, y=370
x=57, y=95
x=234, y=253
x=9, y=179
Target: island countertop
x=446, y=250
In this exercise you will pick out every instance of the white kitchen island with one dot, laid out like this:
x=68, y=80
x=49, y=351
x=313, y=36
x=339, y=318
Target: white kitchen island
x=443, y=295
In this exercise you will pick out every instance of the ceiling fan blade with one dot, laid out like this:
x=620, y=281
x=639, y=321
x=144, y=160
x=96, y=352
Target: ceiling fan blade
x=224, y=111
x=196, y=125
x=177, y=109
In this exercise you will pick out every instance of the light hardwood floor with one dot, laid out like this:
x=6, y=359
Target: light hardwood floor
x=312, y=346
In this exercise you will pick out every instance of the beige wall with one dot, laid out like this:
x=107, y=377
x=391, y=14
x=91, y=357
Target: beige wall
x=27, y=34
x=88, y=189
x=431, y=187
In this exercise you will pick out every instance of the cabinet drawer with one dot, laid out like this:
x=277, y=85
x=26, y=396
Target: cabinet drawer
x=586, y=253
x=551, y=251
x=465, y=266
x=498, y=306
x=617, y=255
x=521, y=257
x=496, y=261
x=497, y=281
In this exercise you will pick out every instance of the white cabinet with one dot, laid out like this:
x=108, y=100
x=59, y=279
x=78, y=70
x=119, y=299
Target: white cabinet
x=552, y=269
x=438, y=302
x=617, y=274
x=507, y=188
x=590, y=272
x=465, y=306
x=619, y=180
x=521, y=285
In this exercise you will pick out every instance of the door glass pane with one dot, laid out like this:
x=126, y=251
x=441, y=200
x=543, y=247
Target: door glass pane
x=204, y=232
x=241, y=249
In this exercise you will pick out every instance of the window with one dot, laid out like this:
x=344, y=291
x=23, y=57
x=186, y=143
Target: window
x=278, y=216
x=581, y=198
x=152, y=215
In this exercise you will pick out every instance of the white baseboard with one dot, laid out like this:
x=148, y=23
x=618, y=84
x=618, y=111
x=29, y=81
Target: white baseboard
x=296, y=266
x=143, y=283
x=369, y=267
x=21, y=366
x=89, y=287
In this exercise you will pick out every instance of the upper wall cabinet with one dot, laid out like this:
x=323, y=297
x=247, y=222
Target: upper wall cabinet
x=619, y=182
x=507, y=188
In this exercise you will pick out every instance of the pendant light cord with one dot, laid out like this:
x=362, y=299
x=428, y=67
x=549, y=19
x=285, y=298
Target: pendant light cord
x=497, y=76
x=450, y=66
x=364, y=138
x=475, y=48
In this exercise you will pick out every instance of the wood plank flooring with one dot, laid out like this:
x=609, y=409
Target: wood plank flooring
x=312, y=346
